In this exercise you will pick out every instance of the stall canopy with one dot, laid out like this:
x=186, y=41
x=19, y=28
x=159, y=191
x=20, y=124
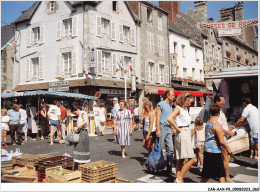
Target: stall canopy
x=48, y=93
x=193, y=93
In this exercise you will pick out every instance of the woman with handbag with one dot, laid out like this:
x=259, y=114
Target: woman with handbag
x=180, y=120
x=81, y=152
x=123, y=124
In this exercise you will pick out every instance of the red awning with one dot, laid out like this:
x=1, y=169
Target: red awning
x=193, y=93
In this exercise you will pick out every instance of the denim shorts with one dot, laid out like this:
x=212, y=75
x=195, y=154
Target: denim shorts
x=54, y=123
x=255, y=140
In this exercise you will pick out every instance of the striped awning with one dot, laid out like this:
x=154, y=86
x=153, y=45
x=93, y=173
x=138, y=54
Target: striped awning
x=48, y=93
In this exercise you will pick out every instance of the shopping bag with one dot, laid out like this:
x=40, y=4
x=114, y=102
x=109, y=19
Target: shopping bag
x=67, y=140
x=156, y=161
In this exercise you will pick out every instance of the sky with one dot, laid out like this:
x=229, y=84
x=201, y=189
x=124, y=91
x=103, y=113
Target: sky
x=11, y=10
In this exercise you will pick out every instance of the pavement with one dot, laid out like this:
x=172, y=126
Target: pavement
x=242, y=168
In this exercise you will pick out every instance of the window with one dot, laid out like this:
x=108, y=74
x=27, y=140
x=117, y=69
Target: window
x=213, y=50
x=105, y=27
x=228, y=64
x=114, y=5
x=245, y=54
x=159, y=21
x=35, y=68
x=193, y=74
x=237, y=51
x=68, y=27
x=183, y=51
x=175, y=47
x=36, y=35
x=184, y=72
x=67, y=63
x=127, y=66
x=206, y=48
x=150, y=42
x=126, y=31
x=196, y=54
x=201, y=75
x=161, y=73
x=52, y=6
x=106, y=63
x=151, y=67
x=161, y=46
x=149, y=17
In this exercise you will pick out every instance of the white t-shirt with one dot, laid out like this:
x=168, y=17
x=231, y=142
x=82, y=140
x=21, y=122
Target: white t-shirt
x=183, y=119
x=136, y=111
x=54, y=111
x=4, y=126
x=250, y=112
x=223, y=120
x=23, y=116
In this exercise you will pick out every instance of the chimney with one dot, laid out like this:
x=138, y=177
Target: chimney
x=226, y=14
x=173, y=8
x=135, y=7
x=239, y=11
x=23, y=11
x=201, y=10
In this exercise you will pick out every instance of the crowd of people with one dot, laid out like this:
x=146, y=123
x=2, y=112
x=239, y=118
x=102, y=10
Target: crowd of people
x=169, y=120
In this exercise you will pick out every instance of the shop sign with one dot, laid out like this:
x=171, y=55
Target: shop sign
x=92, y=57
x=76, y=90
x=229, y=24
x=58, y=84
x=112, y=91
x=229, y=32
x=60, y=89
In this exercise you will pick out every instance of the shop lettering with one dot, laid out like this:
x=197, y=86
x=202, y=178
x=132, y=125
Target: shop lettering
x=228, y=25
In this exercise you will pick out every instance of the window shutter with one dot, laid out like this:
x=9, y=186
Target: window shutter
x=122, y=64
x=99, y=62
x=99, y=26
x=162, y=44
x=31, y=70
x=58, y=30
x=113, y=30
x=157, y=72
x=40, y=68
x=130, y=36
x=41, y=34
x=133, y=36
x=114, y=65
x=121, y=33
x=133, y=65
x=146, y=71
x=58, y=66
x=152, y=44
x=74, y=26
x=159, y=45
x=74, y=63
x=28, y=70
x=29, y=40
x=167, y=74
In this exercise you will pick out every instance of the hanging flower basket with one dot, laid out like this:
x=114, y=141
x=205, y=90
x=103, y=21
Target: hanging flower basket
x=247, y=60
x=254, y=63
x=228, y=53
x=238, y=57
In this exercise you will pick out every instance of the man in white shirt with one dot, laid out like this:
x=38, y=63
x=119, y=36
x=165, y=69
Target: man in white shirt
x=250, y=113
x=116, y=107
x=54, y=115
x=23, y=121
x=220, y=101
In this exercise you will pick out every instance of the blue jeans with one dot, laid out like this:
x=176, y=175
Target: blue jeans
x=166, y=137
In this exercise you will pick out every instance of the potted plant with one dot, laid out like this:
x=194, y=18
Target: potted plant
x=238, y=57
x=254, y=63
x=247, y=60
x=228, y=53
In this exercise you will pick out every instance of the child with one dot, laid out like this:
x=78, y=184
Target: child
x=199, y=129
x=4, y=126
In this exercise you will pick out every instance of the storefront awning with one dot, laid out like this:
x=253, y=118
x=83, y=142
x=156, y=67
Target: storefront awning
x=193, y=93
x=156, y=90
x=49, y=93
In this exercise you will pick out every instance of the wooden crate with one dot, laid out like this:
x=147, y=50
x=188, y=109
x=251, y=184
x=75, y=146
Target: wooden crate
x=67, y=177
x=7, y=165
x=238, y=144
x=29, y=159
x=51, y=180
x=99, y=171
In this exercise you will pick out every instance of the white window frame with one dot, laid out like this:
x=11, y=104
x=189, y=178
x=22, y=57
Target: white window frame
x=67, y=33
x=67, y=62
x=126, y=33
x=175, y=47
x=106, y=62
x=127, y=63
x=149, y=17
x=152, y=74
x=35, y=37
x=35, y=69
x=161, y=73
x=105, y=27
x=52, y=6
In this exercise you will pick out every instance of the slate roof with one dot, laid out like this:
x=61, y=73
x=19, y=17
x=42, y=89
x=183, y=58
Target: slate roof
x=7, y=33
x=28, y=13
x=175, y=29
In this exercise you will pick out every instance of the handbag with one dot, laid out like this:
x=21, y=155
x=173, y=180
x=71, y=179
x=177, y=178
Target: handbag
x=155, y=161
x=74, y=137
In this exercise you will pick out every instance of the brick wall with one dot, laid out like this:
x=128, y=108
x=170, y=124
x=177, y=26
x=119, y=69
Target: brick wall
x=135, y=7
x=173, y=7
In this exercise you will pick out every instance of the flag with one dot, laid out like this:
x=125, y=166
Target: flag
x=121, y=68
x=131, y=68
x=117, y=70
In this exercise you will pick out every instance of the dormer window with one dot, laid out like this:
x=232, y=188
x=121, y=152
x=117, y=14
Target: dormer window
x=114, y=5
x=52, y=6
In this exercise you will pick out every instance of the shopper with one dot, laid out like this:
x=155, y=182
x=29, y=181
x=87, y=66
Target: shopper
x=136, y=117
x=4, y=126
x=250, y=113
x=54, y=116
x=81, y=151
x=102, y=113
x=182, y=141
x=213, y=166
x=63, y=117
x=43, y=121
x=123, y=125
x=14, y=124
x=23, y=121
x=220, y=101
x=199, y=131
x=116, y=107
x=149, y=130
x=163, y=128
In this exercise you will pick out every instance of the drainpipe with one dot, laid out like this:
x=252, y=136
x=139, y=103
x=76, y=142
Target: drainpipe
x=83, y=48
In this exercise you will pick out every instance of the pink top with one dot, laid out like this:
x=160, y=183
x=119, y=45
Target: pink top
x=200, y=135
